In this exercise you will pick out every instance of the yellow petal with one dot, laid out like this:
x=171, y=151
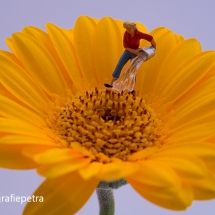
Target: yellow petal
x=122, y=29
x=152, y=174
x=181, y=53
x=205, y=151
x=187, y=166
x=12, y=126
x=84, y=46
x=211, y=140
x=38, y=63
x=62, y=168
x=31, y=151
x=12, y=140
x=141, y=155
x=12, y=57
x=44, y=39
x=55, y=156
x=66, y=53
x=13, y=110
x=180, y=38
x=63, y=195
x=69, y=33
x=108, y=49
x=161, y=185
x=150, y=69
x=197, y=130
x=179, y=200
x=17, y=82
x=116, y=170
x=204, y=189
x=77, y=147
x=141, y=27
x=196, y=112
x=196, y=95
x=12, y=158
x=187, y=75
x=158, y=32
x=91, y=170
x=10, y=45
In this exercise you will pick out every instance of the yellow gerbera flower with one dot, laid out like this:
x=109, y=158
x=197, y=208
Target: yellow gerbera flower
x=58, y=118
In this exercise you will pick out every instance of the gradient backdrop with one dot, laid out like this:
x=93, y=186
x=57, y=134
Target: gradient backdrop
x=190, y=18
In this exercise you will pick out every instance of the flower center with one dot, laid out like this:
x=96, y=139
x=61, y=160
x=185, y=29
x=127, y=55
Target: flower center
x=109, y=124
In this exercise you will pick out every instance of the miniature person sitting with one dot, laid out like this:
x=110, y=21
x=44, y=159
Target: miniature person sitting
x=131, y=42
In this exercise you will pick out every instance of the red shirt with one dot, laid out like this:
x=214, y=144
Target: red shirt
x=134, y=42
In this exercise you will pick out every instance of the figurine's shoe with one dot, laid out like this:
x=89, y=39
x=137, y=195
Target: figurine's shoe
x=108, y=85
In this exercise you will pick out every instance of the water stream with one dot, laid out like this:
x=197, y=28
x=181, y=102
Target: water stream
x=127, y=79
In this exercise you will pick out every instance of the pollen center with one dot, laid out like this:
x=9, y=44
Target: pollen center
x=108, y=124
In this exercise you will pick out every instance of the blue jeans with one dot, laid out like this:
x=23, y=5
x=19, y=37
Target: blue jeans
x=122, y=61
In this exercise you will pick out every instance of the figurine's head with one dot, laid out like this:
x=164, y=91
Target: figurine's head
x=130, y=27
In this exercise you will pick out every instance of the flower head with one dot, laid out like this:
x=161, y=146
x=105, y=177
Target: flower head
x=57, y=117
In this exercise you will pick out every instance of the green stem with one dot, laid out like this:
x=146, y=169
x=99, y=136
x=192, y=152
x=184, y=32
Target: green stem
x=106, y=201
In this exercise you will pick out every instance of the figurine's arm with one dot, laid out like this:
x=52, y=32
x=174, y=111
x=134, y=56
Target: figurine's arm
x=153, y=43
x=134, y=51
x=148, y=38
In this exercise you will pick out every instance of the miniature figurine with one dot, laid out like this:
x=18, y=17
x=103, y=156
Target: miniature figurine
x=131, y=42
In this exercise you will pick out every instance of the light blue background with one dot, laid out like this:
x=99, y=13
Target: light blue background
x=191, y=18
